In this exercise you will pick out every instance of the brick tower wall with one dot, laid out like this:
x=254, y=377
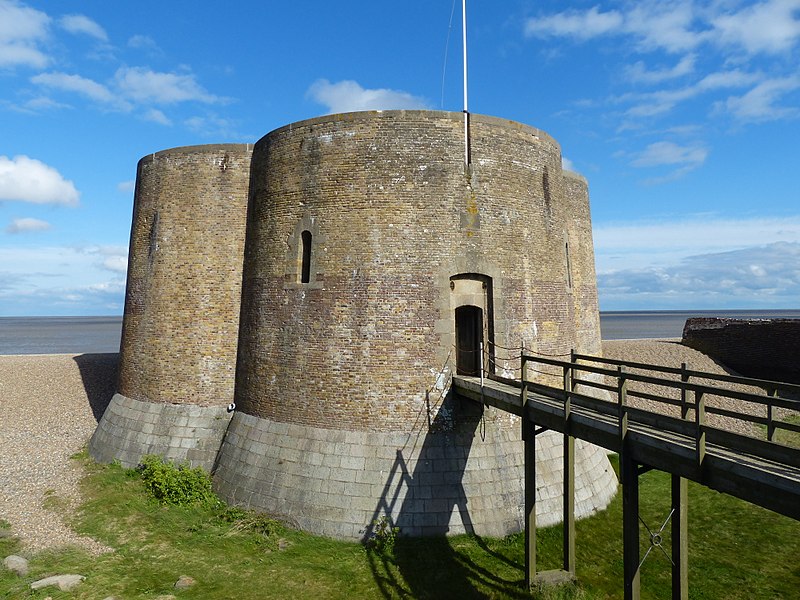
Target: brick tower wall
x=343, y=414
x=393, y=217
x=181, y=321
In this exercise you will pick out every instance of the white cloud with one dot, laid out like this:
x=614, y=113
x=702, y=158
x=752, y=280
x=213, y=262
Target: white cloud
x=643, y=244
x=107, y=258
x=156, y=116
x=132, y=85
x=80, y=24
x=146, y=86
x=27, y=224
x=29, y=180
x=670, y=153
x=767, y=275
x=662, y=101
x=759, y=104
x=671, y=26
x=566, y=164
x=655, y=24
x=144, y=42
x=677, y=26
x=44, y=103
x=61, y=280
x=126, y=187
x=79, y=85
x=701, y=261
x=770, y=27
x=22, y=29
x=213, y=126
x=349, y=96
x=639, y=73
x=117, y=264
x=581, y=25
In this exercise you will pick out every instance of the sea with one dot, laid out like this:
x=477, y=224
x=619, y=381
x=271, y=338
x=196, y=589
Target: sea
x=89, y=335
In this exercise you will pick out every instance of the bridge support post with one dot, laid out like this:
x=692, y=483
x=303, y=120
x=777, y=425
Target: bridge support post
x=680, y=539
x=569, y=504
x=630, y=525
x=530, y=502
x=569, y=472
x=529, y=441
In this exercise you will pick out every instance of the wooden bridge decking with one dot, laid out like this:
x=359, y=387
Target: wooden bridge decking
x=756, y=470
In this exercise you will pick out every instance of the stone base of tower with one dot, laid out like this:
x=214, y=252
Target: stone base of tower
x=339, y=483
x=130, y=429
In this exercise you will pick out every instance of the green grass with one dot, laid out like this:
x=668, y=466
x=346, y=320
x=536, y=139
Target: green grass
x=789, y=438
x=736, y=550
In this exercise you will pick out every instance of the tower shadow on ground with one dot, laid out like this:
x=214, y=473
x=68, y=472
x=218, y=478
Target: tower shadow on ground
x=99, y=377
x=429, y=564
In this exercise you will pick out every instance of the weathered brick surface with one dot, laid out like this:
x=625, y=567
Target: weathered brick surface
x=181, y=317
x=395, y=217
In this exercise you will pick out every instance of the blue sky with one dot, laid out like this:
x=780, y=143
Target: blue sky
x=683, y=115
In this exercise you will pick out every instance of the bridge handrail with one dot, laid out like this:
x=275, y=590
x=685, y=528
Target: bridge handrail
x=569, y=369
x=714, y=435
x=767, y=384
x=673, y=402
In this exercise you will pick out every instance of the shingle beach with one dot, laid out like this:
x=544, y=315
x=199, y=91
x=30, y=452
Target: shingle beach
x=50, y=406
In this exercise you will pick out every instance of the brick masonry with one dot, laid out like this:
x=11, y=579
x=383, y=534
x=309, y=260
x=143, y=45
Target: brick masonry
x=337, y=250
x=397, y=218
x=181, y=318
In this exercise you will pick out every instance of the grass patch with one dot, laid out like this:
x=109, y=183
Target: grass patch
x=789, y=438
x=736, y=550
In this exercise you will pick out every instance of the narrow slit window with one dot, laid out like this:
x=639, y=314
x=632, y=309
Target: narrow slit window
x=305, y=258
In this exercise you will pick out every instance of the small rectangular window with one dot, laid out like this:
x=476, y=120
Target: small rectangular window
x=305, y=264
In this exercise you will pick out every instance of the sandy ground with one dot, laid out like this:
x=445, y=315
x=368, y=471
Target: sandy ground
x=50, y=405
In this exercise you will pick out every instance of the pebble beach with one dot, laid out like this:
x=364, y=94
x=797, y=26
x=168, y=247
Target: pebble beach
x=51, y=405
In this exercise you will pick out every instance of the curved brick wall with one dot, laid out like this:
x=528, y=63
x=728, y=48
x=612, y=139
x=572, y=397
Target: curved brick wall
x=581, y=261
x=182, y=302
x=355, y=361
x=184, y=275
x=394, y=217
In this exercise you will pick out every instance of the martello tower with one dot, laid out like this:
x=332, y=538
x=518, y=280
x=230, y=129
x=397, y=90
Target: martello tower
x=376, y=262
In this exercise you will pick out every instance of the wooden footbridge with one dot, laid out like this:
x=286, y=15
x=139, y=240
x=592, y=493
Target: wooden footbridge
x=587, y=397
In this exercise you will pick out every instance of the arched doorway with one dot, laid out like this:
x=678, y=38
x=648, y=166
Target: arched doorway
x=469, y=335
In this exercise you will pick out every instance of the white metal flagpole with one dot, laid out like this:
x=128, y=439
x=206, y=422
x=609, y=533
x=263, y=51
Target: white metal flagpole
x=466, y=108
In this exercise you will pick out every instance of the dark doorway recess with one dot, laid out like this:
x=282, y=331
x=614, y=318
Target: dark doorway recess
x=469, y=335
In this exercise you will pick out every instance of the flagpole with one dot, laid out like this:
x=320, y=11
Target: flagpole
x=466, y=108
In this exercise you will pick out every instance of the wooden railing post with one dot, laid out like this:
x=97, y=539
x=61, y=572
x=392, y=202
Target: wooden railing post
x=622, y=400
x=684, y=379
x=480, y=362
x=772, y=392
x=700, y=426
